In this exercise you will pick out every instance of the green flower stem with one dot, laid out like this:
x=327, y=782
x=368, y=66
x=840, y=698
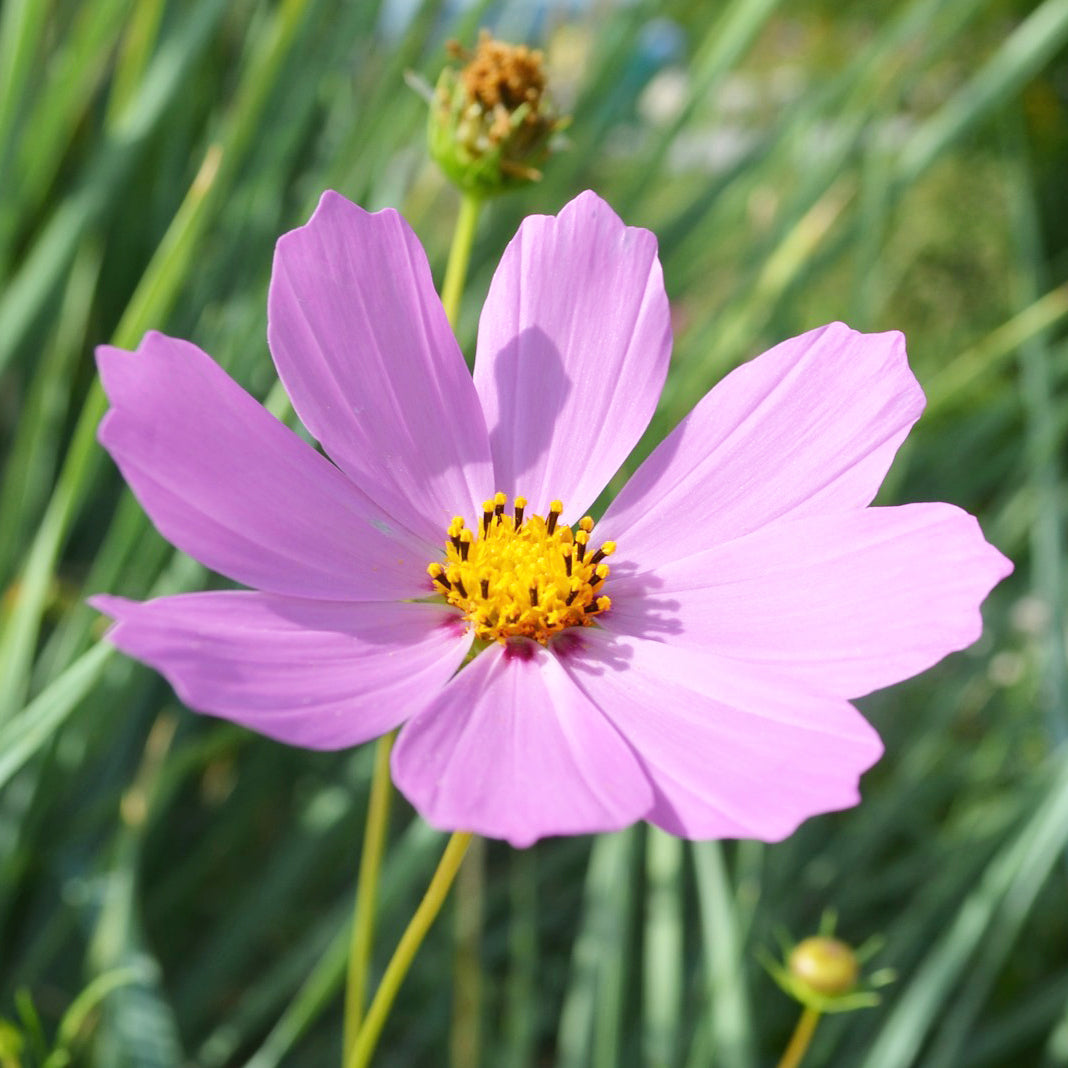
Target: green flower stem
x=363, y=918
x=411, y=940
x=459, y=256
x=800, y=1039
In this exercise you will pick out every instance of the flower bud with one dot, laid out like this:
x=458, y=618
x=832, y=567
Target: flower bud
x=825, y=965
x=491, y=121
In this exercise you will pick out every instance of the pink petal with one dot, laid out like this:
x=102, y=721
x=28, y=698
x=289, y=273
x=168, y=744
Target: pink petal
x=811, y=426
x=366, y=353
x=846, y=603
x=226, y=482
x=318, y=674
x=733, y=751
x=512, y=749
x=573, y=347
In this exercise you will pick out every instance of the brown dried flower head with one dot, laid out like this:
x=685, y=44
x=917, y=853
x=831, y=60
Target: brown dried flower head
x=491, y=121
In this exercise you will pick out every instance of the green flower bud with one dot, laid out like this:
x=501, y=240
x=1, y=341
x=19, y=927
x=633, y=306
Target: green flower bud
x=491, y=122
x=826, y=965
x=823, y=973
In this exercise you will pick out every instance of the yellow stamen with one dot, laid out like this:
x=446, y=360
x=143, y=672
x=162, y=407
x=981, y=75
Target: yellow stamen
x=522, y=576
x=582, y=538
x=554, y=514
x=606, y=549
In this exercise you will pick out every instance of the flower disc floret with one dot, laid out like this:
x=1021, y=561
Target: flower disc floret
x=523, y=576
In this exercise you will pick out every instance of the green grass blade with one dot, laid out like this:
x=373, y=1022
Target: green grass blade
x=662, y=948
x=598, y=947
x=22, y=736
x=1018, y=870
x=1027, y=48
x=729, y=1014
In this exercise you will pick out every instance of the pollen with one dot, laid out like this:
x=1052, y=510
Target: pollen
x=520, y=575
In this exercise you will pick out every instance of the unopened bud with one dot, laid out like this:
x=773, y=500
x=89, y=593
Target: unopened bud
x=491, y=122
x=826, y=965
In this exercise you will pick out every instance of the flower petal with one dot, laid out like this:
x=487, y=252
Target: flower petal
x=318, y=674
x=847, y=603
x=229, y=484
x=573, y=347
x=513, y=749
x=363, y=347
x=811, y=426
x=733, y=752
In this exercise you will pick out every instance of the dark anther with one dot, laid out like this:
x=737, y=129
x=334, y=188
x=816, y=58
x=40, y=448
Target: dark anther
x=484, y=586
x=465, y=548
x=534, y=596
x=518, y=516
x=460, y=587
x=597, y=557
x=580, y=550
x=550, y=523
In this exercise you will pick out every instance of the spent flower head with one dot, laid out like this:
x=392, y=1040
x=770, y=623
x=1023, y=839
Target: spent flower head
x=491, y=121
x=688, y=659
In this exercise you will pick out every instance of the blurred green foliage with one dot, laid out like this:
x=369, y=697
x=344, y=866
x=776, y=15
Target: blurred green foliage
x=896, y=165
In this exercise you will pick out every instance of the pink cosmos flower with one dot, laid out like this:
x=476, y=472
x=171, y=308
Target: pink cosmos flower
x=690, y=662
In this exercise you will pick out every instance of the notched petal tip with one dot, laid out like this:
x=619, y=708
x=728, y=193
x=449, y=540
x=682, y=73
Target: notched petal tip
x=573, y=347
x=590, y=211
x=808, y=427
x=733, y=750
x=113, y=608
x=1000, y=565
x=365, y=351
x=334, y=207
x=887, y=349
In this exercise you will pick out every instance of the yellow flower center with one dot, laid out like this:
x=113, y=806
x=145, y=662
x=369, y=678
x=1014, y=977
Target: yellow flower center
x=523, y=576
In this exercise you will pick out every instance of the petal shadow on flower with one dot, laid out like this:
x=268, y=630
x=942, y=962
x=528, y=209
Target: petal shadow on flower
x=530, y=363
x=647, y=617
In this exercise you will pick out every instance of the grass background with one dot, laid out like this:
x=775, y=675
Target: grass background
x=186, y=885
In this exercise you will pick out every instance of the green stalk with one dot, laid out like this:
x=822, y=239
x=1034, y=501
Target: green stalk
x=406, y=949
x=459, y=256
x=363, y=919
x=800, y=1039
